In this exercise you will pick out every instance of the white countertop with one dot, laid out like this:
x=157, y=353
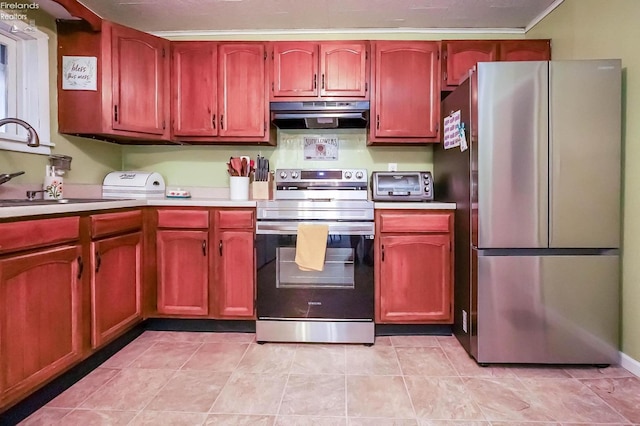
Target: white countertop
x=55, y=208
x=58, y=208
x=417, y=205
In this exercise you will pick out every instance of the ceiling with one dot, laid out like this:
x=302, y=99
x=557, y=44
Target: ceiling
x=292, y=16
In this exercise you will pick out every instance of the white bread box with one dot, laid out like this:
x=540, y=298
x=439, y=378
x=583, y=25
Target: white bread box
x=133, y=184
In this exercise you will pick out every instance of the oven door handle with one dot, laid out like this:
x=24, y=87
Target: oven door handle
x=335, y=227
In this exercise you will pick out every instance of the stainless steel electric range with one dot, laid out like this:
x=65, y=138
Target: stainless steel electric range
x=335, y=305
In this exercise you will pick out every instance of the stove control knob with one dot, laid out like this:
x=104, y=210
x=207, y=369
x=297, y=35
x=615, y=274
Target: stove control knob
x=283, y=174
x=359, y=175
x=347, y=175
x=294, y=175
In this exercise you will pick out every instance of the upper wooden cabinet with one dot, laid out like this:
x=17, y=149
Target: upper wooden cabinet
x=327, y=70
x=406, y=92
x=194, y=89
x=219, y=92
x=130, y=101
x=458, y=56
x=525, y=50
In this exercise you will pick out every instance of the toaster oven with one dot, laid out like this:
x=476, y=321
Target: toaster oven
x=401, y=186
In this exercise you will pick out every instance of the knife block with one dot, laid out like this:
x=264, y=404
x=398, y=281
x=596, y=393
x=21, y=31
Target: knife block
x=262, y=190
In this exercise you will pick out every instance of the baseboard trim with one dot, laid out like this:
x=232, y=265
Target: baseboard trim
x=630, y=364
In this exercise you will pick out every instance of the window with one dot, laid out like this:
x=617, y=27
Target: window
x=24, y=85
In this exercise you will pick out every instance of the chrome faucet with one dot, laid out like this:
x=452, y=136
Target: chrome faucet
x=32, y=140
x=6, y=177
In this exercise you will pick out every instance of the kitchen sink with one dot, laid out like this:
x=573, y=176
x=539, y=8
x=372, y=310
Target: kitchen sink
x=21, y=202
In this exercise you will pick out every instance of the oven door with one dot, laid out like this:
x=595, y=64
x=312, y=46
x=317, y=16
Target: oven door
x=342, y=291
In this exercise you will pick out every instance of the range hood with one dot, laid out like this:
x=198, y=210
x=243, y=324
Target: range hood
x=320, y=114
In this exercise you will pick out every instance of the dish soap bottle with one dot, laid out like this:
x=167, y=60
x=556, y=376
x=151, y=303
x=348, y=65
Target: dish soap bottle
x=52, y=185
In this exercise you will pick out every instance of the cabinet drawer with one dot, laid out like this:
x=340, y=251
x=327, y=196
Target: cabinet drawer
x=115, y=223
x=413, y=222
x=183, y=219
x=29, y=234
x=235, y=219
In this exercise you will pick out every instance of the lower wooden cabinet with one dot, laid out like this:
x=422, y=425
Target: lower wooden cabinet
x=115, y=274
x=414, y=267
x=205, y=263
x=40, y=318
x=115, y=286
x=235, y=265
x=183, y=261
x=183, y=272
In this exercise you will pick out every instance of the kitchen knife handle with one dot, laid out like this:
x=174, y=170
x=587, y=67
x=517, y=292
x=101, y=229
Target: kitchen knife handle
x=220, y=247
x=204, y=247
x=80, y=267
x=213, y=121
x=98, y=261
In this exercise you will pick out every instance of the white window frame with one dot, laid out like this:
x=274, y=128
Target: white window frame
x=31, y=90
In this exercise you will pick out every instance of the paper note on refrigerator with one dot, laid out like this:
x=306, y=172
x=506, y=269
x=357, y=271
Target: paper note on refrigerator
x=451, y=130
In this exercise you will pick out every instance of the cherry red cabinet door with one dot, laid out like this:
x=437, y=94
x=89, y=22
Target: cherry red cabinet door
x=407, y=93
x=343, y=70
x=459, y=56
x=415, y=278
x=525, y=50
x=235, y=278
x=40, y=317
x=194, y=88
x=183, y=272
x=115, y=286
x=243, y=103
x=139, y=81
x=294, y=69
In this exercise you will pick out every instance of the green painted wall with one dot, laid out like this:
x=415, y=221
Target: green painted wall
x=588, y=29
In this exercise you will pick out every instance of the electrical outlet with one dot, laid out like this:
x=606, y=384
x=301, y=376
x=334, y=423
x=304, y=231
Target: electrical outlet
x=392, y=167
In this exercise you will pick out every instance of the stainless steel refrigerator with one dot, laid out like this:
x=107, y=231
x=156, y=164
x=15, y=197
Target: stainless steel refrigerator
x=538, y=221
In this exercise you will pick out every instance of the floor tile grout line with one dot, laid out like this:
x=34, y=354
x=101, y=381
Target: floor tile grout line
x=228, y=379
x=584, y=386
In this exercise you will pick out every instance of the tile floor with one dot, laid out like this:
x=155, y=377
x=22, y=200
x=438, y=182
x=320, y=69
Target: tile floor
x=186, y=378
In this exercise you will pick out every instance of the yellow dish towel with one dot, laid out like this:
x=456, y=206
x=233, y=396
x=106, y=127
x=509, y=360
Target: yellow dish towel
x=311, y=246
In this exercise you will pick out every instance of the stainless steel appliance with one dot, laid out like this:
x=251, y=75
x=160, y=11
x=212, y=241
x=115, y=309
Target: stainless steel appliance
x=334, y=305
x=320, y=114
x=401, y=186
x=538, y=211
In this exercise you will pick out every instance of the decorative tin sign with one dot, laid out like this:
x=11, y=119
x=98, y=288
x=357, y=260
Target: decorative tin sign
x=321, y=148
x=79, y=73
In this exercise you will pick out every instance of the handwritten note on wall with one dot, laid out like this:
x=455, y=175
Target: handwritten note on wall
x=79, y=73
